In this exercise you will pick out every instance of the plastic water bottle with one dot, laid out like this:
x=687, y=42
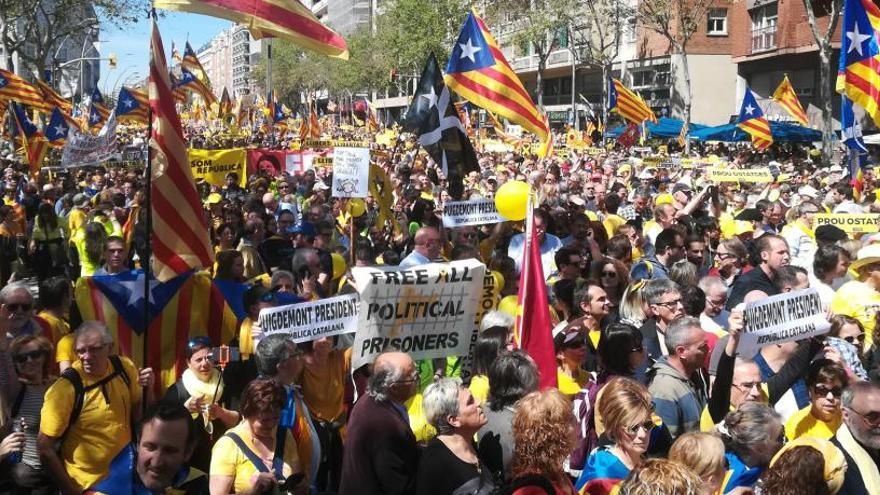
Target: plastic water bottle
x=15, y=457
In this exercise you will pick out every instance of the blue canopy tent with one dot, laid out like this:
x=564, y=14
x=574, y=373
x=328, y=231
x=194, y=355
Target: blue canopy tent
x=781, y=131
x=664, y=128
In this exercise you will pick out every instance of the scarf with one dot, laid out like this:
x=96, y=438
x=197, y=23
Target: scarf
x=206, y=390
x=863, y=460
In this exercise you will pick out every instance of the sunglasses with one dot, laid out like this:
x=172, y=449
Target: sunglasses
x=575, y=344
x=22, y=357
x=823, y=391
x=200, y=341
x=639, y=348
x=18, y=307
x=609, y=274
x=647, y=425
x=853, y=338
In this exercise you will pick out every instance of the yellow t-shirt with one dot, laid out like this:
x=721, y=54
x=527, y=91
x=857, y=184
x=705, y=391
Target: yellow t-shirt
x=859, y=300
x=324, y=389
x=56, y=327
x=246, y=339
x=75, y=219
x=479, y=388
x=804, y=424
x=569, y=385
x=102, y=430
x=422, y=430
x=228, y=460
x=64, y=351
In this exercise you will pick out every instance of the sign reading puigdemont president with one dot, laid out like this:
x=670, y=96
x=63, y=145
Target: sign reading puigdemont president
x=426, y=311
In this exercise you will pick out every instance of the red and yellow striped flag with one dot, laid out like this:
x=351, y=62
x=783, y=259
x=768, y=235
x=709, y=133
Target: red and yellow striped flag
x=787, y=98
x=314, y=123
x=751, y=119
x=480, y=73
x=180, y=231
x=628, y=104
x=14, y=88
x=285, y=19
x=682, y=135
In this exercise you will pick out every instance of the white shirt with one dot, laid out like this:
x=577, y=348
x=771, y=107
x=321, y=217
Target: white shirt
x=549, y=247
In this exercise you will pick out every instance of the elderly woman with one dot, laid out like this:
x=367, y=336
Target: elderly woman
x=752, y=435
x=821, y=419
x=449, y=463
x=202, y=391
x=257, y=456
x=626, y=408
x=512, y=375
x=27, y=362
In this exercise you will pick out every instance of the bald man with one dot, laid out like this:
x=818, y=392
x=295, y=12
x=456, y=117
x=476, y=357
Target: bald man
x=427, y=248
x=381, y=455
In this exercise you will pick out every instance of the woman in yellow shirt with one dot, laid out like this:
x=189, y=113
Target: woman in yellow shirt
x=55, y=293
x=490, y=342
x=821, y=419
x=571, y=349
x=255, y=456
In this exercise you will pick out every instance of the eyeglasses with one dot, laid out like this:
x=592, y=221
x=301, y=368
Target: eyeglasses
x=22, y=357
x=724, y=256
x=200, y=341
x=853, y=338
x=647, y=425
x=82, y=351
x=823, y=391
x=414, y=377
x=669, y=304
x=15, y=308
x=639, y=348
x=747, y=386
x=872, y=418
x=575, y=344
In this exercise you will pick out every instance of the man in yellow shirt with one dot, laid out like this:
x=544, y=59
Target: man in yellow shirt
x=89, y=412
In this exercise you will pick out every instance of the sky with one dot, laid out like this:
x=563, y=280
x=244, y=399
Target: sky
x=132, y=44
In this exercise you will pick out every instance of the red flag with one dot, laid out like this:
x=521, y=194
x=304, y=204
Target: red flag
x=180, y=230
x=533, y=326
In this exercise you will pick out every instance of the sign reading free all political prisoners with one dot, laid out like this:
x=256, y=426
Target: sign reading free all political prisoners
x=425, y=310
x=784, y=317
x=312, y=320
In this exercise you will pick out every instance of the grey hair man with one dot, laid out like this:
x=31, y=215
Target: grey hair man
x=664, y=299
x=381, y=454
x=17, y=311
x=859, y=435
x=90, y=437
x=714, y=315
x=676, y=383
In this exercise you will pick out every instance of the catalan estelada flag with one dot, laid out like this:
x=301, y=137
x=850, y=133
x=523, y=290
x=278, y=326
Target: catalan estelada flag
x=98, y=112
x=33, y=143
x=751, y=119
x=787, y=98
x=314, y=123
x=191, y=62
x=858, y=75
x=682, y=134
x=628, y=104
x=180, y=231
x=479, y=72
x=226, y=104
x=14, y=88
x=56, y=131
x=190, y=82
x=132, y=106
x=533, y=331
x=53, y=98
x=285, y=19
x=183, y=307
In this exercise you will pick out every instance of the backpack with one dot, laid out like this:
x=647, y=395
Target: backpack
x=79, y=391
x=522, y=482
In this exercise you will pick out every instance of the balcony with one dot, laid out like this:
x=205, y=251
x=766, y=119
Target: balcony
x=763, y=39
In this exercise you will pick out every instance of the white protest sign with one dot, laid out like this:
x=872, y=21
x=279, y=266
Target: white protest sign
x=784, y=317
x=425, y=310
x=314, y=319
x=351, y=172
x=462, y=213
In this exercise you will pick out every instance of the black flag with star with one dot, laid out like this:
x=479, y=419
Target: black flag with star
x=433, y=118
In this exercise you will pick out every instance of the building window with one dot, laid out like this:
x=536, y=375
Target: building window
x=630, y=34
x=717, y=22
x=643, y=78
x=764, y=28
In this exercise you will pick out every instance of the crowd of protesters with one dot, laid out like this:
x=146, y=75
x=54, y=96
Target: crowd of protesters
x=648, y=269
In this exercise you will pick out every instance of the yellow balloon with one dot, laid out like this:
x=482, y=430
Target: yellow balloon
x=339, y=265
x=356, y=207
x=511, y=200
x=508, y=305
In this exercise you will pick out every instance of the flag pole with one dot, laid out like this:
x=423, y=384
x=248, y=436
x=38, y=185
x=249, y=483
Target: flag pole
x=145, y=262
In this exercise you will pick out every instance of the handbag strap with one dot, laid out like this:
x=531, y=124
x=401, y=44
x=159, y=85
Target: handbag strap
x=277, y=460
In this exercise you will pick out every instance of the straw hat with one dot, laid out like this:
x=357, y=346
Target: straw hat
x=867, y=255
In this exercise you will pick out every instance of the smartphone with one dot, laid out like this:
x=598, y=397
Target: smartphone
x=225, y=354
x=291, y=482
